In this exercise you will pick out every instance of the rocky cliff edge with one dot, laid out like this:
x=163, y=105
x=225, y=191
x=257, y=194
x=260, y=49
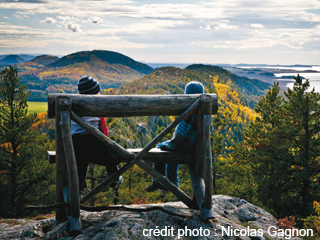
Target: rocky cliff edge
x=235, y=219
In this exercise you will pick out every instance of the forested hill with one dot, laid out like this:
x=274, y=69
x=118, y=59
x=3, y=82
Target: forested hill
x=44, y=59
x=249, y=90
x=234, y=107
x=172, y=80
x=105, y=56
x=11, y=59
x=36, y=63
x=111, y=69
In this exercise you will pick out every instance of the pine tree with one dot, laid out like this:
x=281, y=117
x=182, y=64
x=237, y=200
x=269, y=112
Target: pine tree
x=281, y=150
x=24, y=173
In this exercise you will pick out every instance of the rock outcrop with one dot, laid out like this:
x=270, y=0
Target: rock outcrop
x=235, y=219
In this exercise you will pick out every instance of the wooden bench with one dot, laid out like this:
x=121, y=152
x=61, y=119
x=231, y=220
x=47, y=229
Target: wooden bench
x=64, y=107
x=154, y=155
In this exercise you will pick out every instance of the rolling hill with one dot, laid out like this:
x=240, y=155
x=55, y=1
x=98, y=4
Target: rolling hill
x=106, y=56
x=11, y=59
x=172, y=80
x=44, y=59
x=36, y=63
x=111, y=69
x=249, y=90
x=237, y=98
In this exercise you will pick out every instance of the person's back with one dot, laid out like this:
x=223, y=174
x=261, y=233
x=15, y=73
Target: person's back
x=86, y=146
x=184, y=138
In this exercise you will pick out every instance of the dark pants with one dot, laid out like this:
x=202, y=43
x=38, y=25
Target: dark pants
x=87, y=149
x=169, y=170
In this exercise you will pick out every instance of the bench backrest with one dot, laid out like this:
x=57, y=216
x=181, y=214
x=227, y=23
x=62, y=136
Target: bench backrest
x=129, y=105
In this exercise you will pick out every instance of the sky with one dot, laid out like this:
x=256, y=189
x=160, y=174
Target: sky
x=189, y=31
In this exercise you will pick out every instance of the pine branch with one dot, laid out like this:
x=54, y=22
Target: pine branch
x=5, y=129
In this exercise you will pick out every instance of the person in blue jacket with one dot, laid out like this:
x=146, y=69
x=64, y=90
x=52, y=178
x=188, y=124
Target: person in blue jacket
x=184, y=139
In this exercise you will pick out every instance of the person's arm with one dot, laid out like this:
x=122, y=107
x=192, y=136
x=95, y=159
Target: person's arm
x=179, y=136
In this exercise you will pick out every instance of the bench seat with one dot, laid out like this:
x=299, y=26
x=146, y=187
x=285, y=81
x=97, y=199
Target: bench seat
x=154, y=155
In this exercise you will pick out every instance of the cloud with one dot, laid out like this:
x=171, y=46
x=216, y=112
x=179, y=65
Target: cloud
x=95, y=19
x=225, y=26
x=256, y=25
x=91, y=19
x=73, y=27
x=70, y=23
x=4, y=17
x=68, y=18
x=24, y=1
x=21, y=16
x=239, y=11
x=205, y=28
x=48, y=20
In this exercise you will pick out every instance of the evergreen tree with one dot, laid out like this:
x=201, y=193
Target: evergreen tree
x=281, y=150
x=26, y=177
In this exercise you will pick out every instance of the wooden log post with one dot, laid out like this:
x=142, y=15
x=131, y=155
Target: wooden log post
x=205, y=102
x=207, y=161
x=61, y=168
x=203, y=159
x=71, y=191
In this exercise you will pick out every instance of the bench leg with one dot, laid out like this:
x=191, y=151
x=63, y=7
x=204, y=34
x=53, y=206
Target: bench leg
x=198, y=187
x=61, y=172
x=71, y=191
x=74, y=223
x=207, y=162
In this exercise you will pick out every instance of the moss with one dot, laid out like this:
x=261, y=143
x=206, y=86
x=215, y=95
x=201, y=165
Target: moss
x=12, y=222
x=267, y=237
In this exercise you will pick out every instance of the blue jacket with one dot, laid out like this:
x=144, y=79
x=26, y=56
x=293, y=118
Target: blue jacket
x=184, y=136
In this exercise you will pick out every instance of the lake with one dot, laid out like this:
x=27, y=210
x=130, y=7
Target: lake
x=313, y=77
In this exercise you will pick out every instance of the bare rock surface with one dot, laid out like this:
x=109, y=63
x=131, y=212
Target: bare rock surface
x=235, y=219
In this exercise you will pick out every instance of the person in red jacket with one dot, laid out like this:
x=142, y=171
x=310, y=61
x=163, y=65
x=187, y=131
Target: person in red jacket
x=87, y=147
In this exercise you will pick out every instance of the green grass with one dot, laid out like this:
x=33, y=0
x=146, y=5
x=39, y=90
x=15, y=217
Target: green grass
x=37, y=107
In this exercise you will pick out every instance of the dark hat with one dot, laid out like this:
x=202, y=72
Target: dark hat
x=88, y=85
x=194, y=87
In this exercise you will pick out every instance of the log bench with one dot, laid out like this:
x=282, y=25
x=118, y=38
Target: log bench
x=64, y=107
x=154, y=155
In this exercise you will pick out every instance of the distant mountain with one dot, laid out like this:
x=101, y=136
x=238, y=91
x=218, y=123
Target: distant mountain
x=249, y=90
x=44, y=59
x=160, y=65
x=171, y=80
x=262, y=65
x=166, y=80
x=36, y=63
x=105, y=56
x=25, y=57
x=111, y=69
x=11, y=59
x=237, y=96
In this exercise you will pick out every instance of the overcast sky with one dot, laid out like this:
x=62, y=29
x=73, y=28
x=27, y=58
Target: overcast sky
x=189, y=31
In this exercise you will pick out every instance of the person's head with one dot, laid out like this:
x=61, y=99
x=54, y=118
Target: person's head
x=88, y=85
x=194, y=87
